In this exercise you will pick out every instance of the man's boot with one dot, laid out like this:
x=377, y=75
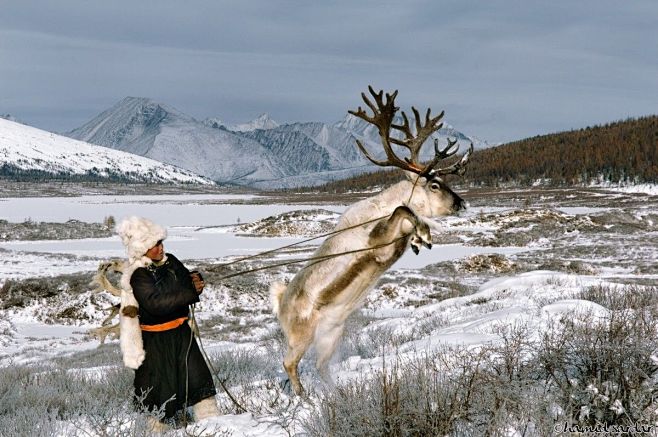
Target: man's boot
x=205, y=408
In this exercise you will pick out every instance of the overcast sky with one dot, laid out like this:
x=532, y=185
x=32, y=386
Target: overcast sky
x=502, y=70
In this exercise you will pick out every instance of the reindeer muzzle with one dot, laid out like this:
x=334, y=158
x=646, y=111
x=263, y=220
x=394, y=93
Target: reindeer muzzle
x=458, y=204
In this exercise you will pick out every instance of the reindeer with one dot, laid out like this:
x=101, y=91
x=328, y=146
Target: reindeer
x=313, y=307
x=101, y=282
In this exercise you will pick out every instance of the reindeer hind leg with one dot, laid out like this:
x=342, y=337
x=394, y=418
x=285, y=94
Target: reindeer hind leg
x=326, y=341
x=290, y=363
x=299, y=337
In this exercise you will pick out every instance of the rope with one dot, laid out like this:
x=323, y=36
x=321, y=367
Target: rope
x=267, y=252
x=412, y=189
x=212, y=368
x=187, y=374
x=315, y=260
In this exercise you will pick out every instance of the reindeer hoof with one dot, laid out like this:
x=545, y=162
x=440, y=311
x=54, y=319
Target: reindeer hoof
x=285, y=386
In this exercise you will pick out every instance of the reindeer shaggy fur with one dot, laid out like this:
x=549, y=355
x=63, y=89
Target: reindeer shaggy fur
x=313, y=308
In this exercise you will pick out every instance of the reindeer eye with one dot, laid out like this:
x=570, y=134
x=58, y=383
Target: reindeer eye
x=435, y=186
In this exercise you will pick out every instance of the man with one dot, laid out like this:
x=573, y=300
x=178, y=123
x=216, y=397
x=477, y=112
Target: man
x=156, y=339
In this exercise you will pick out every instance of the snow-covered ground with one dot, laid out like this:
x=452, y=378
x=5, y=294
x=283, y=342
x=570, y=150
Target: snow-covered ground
x=651, y=189
x=503, y=264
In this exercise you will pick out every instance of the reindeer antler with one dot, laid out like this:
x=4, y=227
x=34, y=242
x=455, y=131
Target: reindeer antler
x=382, y=118
x=459, y=167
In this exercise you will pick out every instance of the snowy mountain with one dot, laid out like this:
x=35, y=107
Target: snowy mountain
x=260, y=153
x=157, y=131
x=25, y=149
x=366, y=131
x=263, y=122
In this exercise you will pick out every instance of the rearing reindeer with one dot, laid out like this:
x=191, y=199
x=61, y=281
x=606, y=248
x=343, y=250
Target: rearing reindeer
x=313, y=308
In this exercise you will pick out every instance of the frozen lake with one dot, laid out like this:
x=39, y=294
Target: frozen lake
x=169, y=210
x=194, y=224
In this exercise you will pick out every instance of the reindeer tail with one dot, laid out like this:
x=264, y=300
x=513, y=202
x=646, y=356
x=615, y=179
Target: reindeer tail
x=276, y=291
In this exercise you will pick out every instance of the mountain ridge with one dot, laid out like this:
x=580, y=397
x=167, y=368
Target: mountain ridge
x=261, y=153
x=148, y=128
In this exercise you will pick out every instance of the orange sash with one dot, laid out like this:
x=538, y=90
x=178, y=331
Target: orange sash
x=164, y=326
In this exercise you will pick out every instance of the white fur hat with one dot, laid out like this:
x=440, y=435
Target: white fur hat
x=139, y=235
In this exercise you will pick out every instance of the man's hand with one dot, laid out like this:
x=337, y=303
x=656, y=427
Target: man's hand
x=198, y=281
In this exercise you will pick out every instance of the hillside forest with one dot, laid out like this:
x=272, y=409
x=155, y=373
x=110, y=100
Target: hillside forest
x=620, y=152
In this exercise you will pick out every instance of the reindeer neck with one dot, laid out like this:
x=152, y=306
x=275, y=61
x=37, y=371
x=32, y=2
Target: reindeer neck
x=404, y=193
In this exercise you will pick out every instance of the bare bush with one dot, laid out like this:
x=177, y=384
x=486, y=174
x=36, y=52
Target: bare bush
x=31, y=422
x=588, y=372
x=490, y=263
x=44, y=401
x=620, y=297
x=367, y=340
x=253, y=379
x=456, y=391
x=72, y=229
x=110, y=222
x=20, y=293
x=603, y=371
x=106, y=355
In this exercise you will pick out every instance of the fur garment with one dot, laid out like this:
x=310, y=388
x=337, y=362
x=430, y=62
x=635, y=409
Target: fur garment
x=138, y=236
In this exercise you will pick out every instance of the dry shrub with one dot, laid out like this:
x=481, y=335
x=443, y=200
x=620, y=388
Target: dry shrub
x=453, y=391
x=44, y=401
x=604, y=371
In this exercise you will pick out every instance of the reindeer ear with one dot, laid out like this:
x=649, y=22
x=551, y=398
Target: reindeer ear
x=414, y=176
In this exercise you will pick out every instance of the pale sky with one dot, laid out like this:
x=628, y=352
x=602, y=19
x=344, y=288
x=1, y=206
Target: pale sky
x=502, y=70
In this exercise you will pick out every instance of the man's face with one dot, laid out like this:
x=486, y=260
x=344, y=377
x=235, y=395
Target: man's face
x=156, y=253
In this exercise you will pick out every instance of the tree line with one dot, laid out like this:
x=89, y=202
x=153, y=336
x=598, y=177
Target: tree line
x=623, y=151
x=18, y=174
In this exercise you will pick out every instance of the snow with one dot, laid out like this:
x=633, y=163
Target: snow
x=263, y=121
x=651, y=189
x=190, y=236
x=240, y=425
x=170, y=210
x=575, y=307
x=201, y=235
x=22, y=265
x=447, y=252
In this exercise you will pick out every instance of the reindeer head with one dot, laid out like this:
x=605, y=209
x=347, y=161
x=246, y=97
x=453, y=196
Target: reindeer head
x=433, y=197
x=431, y=193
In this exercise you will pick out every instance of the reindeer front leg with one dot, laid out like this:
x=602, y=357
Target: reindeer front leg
x=403, y=222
